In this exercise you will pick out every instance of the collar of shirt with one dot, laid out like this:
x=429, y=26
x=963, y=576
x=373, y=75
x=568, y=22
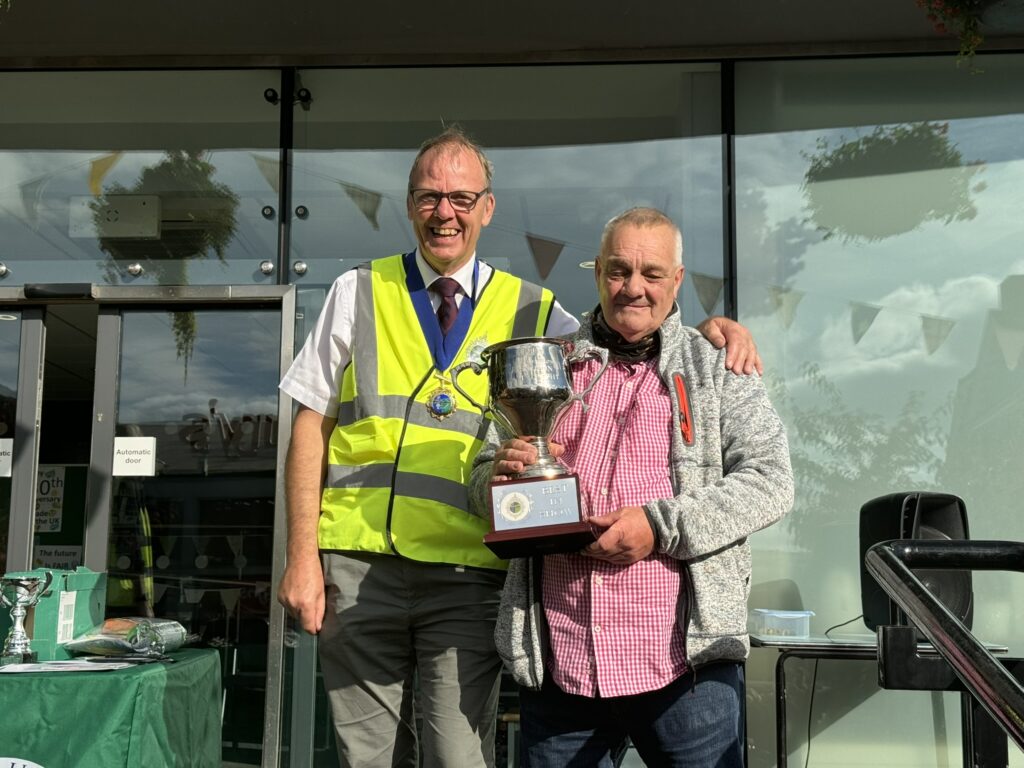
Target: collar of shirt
x=463, y=276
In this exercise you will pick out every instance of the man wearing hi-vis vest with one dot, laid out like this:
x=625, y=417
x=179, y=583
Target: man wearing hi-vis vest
x=385, y=561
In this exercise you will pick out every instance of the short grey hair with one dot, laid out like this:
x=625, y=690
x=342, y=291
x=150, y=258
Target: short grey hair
x=642, y=218
x=450, y=141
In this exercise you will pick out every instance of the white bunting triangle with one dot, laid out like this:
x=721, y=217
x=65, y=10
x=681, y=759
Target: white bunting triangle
x=709, y=291
x=861, y=318
x=235, y=543
x=230, y=598
x=31, y=197
x=545, y=253
x=935, y=330
x=270, y=169
x=366, y=200
x=786, y=301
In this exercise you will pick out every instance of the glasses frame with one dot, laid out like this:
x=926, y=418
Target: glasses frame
x=448, y=196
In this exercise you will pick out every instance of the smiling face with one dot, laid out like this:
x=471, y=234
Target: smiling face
x=447, y=238
x=638, y=277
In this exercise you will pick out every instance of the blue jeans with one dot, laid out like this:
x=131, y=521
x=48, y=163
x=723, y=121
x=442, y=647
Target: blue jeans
x=683, y=725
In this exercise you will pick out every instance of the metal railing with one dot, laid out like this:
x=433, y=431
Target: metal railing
x=981, y=673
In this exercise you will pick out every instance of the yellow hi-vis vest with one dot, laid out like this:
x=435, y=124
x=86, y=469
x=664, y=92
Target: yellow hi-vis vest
x=397, y=477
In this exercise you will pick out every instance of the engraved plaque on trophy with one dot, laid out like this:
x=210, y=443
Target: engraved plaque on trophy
x=538, y=511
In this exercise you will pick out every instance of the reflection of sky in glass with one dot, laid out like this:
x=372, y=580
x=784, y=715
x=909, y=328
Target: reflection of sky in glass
x=925, y=326
x=947, y=271
x=235, y=361
x=564, y=194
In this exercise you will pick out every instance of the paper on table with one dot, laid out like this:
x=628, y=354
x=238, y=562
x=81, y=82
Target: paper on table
x=74, y=665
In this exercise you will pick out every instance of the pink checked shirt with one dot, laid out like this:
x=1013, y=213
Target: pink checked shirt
x=613, y=627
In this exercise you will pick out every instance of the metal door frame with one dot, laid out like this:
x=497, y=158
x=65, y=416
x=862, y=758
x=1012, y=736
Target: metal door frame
x=25, y=464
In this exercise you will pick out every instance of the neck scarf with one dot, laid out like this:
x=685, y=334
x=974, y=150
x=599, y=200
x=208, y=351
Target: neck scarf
x=646, y=348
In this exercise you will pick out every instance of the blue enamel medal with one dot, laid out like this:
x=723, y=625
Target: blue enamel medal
x=441, y=402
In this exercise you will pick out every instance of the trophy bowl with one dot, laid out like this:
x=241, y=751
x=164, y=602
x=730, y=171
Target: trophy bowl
x=530, y=389
x=19, y=593
x=538, y=510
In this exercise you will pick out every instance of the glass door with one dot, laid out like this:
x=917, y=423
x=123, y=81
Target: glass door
x=141, y=435
x=186, y=444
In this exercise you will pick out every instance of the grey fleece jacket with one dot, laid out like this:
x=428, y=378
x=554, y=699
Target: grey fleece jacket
x=734, y=479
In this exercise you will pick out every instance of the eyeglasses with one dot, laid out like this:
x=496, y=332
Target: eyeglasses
x=462, y=201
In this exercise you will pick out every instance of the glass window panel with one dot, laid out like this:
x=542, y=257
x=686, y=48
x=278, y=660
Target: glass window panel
x=170, y=171
x=879, y=267
x=571, y=147
x=194, y=542
x=10, y=347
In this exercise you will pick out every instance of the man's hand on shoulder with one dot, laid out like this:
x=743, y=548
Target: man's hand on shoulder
x=741, y=354
x=302, y=593
x=624, y=536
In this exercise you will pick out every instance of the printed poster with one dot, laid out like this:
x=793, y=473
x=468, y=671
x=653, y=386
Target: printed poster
x=49, y=499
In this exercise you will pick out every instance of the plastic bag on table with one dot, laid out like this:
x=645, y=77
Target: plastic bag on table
x=131, y=635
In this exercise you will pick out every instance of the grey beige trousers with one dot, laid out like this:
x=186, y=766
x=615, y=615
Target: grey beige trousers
x=406, y=642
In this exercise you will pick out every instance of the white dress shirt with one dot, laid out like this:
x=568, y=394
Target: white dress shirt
x=315, y=375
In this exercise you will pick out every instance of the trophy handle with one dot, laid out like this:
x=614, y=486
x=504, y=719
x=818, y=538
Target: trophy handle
x=597, y=352
x=48, y=580
x=487, y=410
x=477, y=369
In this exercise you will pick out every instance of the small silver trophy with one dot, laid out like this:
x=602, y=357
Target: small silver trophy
x=529, y=389
x=19, y=593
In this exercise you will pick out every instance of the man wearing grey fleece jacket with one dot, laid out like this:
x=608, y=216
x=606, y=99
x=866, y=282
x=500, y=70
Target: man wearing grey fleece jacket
x=643, y=633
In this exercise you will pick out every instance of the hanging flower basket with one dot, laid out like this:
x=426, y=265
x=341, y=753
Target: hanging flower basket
x=889, y=182
x=960, y=18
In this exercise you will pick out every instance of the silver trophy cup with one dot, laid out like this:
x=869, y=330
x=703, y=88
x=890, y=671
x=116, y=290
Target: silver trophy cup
x=19, y=593
x=530, y=390
x=538, y=510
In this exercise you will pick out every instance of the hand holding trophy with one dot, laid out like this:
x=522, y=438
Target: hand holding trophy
x=530, y=387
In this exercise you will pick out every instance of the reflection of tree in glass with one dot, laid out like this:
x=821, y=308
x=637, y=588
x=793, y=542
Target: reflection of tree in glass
x=873, y=187
x=199, y=218
x=843, y=457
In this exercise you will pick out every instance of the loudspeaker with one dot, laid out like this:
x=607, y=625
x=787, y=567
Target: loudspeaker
x=914, y=515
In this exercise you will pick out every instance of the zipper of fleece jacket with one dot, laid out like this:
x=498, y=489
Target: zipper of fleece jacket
x=687, y=610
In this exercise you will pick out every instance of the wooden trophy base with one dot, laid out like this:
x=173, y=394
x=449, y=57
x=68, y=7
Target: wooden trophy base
x=537, y=516
x=556, y=539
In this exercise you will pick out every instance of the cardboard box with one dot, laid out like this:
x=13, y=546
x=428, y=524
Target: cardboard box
x=74, y=603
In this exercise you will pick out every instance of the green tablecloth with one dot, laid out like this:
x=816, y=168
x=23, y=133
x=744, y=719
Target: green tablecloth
x=149, y=716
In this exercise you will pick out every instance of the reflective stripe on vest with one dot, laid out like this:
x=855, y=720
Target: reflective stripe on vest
x=397, y=477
